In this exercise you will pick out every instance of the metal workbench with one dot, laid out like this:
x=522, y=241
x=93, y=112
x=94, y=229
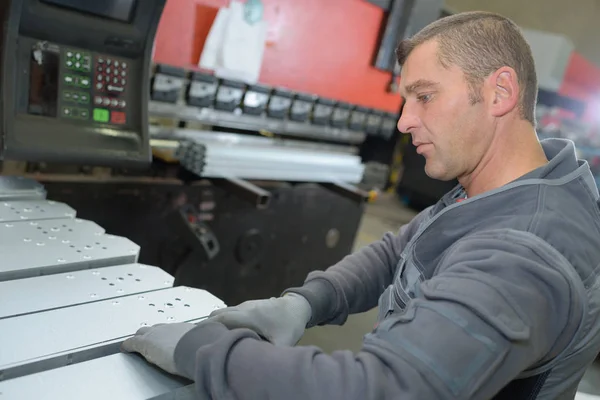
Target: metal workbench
x=70, y=294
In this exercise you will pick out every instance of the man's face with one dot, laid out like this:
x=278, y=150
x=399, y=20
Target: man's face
x=446, y=128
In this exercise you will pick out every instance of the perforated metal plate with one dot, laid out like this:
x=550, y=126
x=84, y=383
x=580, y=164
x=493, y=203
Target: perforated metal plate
x=35, y=342
x=116, y=377
x=20, y=188
x=47, y=230
x=28, y=210
x=25, y=296
x=31, y=258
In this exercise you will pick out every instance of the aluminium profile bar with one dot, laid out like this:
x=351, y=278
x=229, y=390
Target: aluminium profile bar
x=281, y=155
x=235, y=164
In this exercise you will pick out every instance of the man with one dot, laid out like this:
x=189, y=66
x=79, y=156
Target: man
x=490, y=293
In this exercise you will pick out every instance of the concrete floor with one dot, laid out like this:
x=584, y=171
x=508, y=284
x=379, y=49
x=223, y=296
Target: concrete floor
x=388, y=214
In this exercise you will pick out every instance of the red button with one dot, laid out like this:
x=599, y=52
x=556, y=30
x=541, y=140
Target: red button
x=117, y=117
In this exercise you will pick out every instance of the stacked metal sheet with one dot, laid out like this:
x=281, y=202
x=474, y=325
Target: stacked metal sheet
x=70, y=294
x=215, y=160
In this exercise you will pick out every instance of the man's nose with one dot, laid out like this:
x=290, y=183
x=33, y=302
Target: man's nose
x=408, y=120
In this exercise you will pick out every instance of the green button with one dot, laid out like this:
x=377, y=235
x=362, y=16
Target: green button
x=69, y=79
x=84, y=81
x=101, y=115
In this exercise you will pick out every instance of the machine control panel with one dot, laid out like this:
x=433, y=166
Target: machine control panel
x=93, y=87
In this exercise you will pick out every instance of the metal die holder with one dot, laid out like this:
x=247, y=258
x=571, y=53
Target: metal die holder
x=373, y=123
x=115, y=377
x=202, y=90
x=167, y=83
x=256, y=99
x=52, y=230
x=346, y=190
x=340, y=115
x=279, y=104
x=388, y=125
x=358, y=118
x=21, y=188
x=32, y=258
x=322, y=111
x=229, y=95
x=42, y=293
x=301, y=107
x=253, y=122
x=84, y=332
x=12, y=211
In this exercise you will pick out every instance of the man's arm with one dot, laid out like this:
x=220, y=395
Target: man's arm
x=500, y=305
x=355, y=283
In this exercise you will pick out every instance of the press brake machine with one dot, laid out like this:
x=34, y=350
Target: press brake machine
x=73, y=89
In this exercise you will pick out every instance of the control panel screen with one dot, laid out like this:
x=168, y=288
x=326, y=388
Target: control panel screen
x=43, y=82
x=120, y=10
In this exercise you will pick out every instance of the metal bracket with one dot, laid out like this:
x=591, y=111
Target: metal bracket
x=196, y=232
x=351, y=192
x=245, y=190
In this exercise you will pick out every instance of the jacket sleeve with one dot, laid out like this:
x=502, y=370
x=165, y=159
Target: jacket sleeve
x=498, y=307
x=355, y=283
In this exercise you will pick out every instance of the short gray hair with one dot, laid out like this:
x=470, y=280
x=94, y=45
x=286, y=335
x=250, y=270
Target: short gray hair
x=480, y=43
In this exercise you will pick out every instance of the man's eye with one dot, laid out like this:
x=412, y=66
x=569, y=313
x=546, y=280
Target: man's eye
x=424, y=98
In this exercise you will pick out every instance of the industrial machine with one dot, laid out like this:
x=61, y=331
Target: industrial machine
x=108, y=224
x=70, y=293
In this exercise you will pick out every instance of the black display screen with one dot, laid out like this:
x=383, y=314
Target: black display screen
x=43, y=82
x=120, y=10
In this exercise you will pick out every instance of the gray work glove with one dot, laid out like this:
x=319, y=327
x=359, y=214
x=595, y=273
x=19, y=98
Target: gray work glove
x=281, y=320
x=157, y=344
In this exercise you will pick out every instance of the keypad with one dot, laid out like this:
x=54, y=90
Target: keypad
x=76, y=97
x=75, y=112
x=93, y=87
x=77, y=81
x=78, y=61
x=110, y=75
x=108, y=101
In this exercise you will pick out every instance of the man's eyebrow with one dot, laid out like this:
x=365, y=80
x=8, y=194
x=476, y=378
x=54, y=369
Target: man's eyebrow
x=419, y=84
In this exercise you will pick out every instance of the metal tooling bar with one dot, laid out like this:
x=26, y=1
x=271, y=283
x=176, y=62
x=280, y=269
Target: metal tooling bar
x=244, y=121
x=234, y=139
x=32, y=258
x=115, y=377
x=26, y=296
x=34, y=210
x=20, y=188
x=93, y=329
x=47, y=230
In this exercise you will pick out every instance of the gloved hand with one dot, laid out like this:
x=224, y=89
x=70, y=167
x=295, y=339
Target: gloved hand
x=157, y=344
x=281, y=320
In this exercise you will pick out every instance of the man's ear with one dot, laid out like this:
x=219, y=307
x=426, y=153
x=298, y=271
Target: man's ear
x=504, y=88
